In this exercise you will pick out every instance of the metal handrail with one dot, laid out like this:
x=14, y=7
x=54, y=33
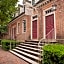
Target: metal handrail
x=46, y=35
x=43, y=39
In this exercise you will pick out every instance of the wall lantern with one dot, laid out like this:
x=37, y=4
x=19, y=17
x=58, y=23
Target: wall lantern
x=54, y=7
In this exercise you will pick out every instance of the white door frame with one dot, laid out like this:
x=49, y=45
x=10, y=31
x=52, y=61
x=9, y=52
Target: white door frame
x=45, y=23
x=31, y=27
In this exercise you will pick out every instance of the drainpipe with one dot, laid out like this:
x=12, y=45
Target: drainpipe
x=24, y=8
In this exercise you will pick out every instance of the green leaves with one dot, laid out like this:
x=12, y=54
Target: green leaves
x=7, y=8
x=54, y=54
x=3, y=29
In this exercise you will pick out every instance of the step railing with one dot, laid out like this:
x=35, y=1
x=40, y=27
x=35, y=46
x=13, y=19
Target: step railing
x=47, y=36
x=13, y=45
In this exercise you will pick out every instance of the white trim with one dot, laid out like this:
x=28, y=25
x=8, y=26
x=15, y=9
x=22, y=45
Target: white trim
x=44, y=24
x=35, y=19
x=42, y=3
x=47, y=9
x=31, y=26
x=13, y=21
x=44, y=21
x=55, y=24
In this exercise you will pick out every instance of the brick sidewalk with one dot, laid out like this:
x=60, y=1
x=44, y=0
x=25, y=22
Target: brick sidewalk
x=8, y=58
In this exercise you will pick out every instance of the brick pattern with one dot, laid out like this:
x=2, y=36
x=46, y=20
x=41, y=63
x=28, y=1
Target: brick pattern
x=8, y=58
x=59, y=21
x=21, y=36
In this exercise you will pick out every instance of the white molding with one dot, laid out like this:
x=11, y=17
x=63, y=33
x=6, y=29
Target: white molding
x=47, y=9
x=42, y=3
x=31, y=27
x=44, y=24
x=35, y=19
x=55, y=24
x=44, y=21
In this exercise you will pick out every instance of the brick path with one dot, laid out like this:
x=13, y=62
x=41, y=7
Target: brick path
x=8, y=58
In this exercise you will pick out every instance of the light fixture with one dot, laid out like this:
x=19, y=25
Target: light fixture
x=54, y=7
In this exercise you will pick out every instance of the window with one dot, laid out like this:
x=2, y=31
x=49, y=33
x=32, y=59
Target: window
x=18, y=27
x=24, y=25
x=33, y=2
x=48, y=11
x=34, y=16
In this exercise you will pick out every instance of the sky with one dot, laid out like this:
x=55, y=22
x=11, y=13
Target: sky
x=20, y=2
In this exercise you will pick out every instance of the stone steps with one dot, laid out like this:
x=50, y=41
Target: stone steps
x=24, y=58
x=29, y=51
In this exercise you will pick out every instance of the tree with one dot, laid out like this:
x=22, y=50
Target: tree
x=7, y=8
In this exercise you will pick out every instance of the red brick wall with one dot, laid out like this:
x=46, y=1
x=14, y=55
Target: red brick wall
x=21, y=36
x=40, y=22
x=41, y=18
x=59, y=21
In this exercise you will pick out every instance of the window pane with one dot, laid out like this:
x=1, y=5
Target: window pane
x=24, y=25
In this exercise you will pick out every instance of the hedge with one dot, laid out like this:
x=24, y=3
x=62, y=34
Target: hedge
x=0, y=41
x=6, y=44
x=53, y=54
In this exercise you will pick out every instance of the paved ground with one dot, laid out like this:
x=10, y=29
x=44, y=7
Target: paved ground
x=8, y=58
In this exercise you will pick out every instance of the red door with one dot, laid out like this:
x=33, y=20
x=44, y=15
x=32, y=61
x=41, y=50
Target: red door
x=50, y=26
x=34, y=29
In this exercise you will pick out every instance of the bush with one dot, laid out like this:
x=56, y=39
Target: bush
x=0, y=41
x=53, y=54
x=6, y=44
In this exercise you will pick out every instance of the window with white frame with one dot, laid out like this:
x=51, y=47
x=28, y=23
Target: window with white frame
x=48, y=11
x=24, y=25
x=18, y=28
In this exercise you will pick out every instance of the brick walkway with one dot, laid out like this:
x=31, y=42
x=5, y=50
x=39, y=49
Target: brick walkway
x=8, y=58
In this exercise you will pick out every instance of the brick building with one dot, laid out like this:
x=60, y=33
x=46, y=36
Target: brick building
x=39, y=23
x=44, y=19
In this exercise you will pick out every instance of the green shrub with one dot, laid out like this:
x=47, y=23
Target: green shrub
x=6, y=44
x=0, y=41
x=53, y=54
x=4, y=40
